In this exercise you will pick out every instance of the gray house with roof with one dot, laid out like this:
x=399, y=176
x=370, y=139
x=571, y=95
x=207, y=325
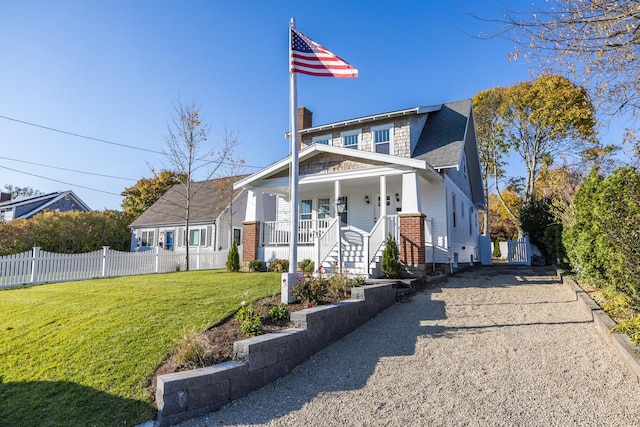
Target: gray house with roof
x=413, y=173
x=216, y=215
x=26, y=207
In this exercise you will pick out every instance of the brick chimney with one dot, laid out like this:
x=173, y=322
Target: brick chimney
x=5, y=197
x=305, y=120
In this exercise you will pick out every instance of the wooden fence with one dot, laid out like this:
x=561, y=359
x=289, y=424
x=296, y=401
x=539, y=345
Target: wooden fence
x=37, y=266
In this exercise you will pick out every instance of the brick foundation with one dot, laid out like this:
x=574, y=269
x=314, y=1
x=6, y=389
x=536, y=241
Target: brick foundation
x=250, y=240
x=412, y=243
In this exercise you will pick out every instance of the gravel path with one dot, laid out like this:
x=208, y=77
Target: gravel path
x=492, y=346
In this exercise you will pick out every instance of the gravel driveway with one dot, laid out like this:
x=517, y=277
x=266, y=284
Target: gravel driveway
x=491, y=346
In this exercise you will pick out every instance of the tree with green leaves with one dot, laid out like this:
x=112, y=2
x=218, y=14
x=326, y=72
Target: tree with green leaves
x=139, y=197
x=233, y=258
x=545, y=119
x=491, y=140
x=391, y=259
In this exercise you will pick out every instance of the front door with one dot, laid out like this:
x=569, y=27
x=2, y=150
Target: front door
x=169, y=240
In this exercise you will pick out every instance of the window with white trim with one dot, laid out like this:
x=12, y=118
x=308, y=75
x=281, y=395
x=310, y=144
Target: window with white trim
x=343, y=216
x=322, y=139
x=324, y=211
x=198, y=237
x=453, y=204
x=237, y=236
x=306, y=209
x=351, y=139
x=382, y=139
x=148, y=238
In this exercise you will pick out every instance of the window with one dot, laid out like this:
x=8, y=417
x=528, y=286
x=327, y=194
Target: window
x=324, y=212
x=305, y=209
x=197, y=237
x=343, y=216
x=3, y=213
x=453, y=203
x=351, y=139
x=323, y=139
x=471, y=220
x=237, y=236
x=148, y=238
x=462, y=208
x=382, y=139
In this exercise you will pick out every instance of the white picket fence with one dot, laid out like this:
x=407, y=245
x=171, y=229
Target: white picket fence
x=37, y=266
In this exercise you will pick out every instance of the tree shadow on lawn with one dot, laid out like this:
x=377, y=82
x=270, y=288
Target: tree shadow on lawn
x=60, y=403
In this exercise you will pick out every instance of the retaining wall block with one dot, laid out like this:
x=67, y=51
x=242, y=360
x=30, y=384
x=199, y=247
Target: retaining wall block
x=625, y=348
x=263, y=359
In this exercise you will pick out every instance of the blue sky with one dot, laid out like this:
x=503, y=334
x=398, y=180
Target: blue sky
x=112, y=69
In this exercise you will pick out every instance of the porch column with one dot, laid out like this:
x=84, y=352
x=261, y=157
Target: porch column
x=336, y=190
x=383, y=203
x=251, y=226
x=412, y=232
x=410, y=193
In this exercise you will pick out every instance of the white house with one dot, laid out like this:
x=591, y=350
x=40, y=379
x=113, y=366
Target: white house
x=414, y=173
x=213, y=222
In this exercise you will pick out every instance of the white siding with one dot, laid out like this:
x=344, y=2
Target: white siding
x=462, y=242
x=434, y=206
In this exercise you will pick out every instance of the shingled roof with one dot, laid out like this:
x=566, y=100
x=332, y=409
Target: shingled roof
x=207, y=203
x=442, y=138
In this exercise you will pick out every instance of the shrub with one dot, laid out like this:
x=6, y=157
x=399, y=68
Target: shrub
x=496, y=249
x=306, y=266
x=233, y=259
x=250, y=323
x=279, y=265
x=279, y=313
x=391, y=259
x=340, y=284
x=311, y=290
x=190, y=350
x=358, y=281
x=256, y=265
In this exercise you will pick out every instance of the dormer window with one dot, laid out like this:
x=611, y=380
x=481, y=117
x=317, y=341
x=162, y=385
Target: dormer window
x=322, y=139
x=351, y=139
x=382, y=136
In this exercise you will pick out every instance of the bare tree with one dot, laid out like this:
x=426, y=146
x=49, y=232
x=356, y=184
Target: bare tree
x=596, y=40
x=233, y=168
x=189, y=157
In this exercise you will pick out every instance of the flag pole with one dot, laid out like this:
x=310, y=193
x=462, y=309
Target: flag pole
x=287, y=288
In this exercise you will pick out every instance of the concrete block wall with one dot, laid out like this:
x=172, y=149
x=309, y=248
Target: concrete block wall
x=263, y=359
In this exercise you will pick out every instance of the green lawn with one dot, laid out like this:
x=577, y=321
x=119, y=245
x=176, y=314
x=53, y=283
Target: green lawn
x=81, y=353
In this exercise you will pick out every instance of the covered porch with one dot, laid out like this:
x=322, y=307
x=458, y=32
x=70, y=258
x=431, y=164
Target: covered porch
x=343, y=221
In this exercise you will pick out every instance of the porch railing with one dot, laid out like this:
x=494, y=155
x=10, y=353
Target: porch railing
x=327, y=241
x=277, y=232
x=378, y=235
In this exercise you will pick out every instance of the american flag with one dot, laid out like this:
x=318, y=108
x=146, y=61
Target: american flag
x=308, y=57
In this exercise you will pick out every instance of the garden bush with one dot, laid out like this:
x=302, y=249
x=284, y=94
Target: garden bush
x=256, y=265
x=279, y=313
x=233, y=259
x=311, y=290
x=279, y=265
x=306, y=266
x=391, y=259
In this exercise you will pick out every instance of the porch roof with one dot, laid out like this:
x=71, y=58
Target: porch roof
x=315, y=149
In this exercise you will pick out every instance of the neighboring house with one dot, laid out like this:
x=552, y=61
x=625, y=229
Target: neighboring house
x=211, y=224
x=421, y=162
x=25, y=207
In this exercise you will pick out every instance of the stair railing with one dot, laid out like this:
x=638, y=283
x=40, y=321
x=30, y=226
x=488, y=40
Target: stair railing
x=327, y=240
